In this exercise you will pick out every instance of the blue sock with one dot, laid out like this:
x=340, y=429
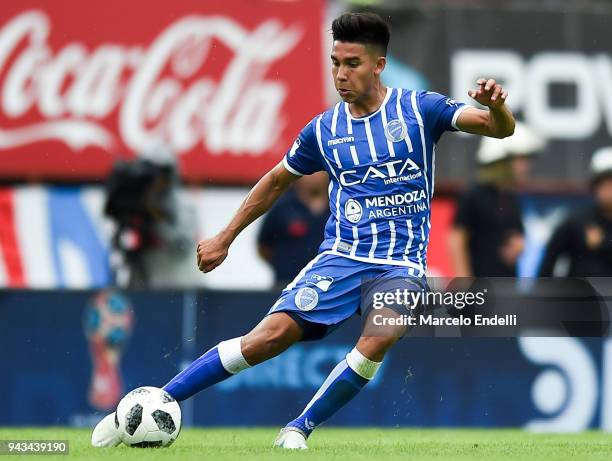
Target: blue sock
x=219, y=363
x=341, y=385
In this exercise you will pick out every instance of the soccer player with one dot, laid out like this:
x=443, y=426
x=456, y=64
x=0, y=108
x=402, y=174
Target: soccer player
x=378, y=147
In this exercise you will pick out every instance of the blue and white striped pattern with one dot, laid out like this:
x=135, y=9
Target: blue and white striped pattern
x=387, y=177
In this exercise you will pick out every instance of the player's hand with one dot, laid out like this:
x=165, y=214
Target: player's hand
x=489, y=93
x=211, y=253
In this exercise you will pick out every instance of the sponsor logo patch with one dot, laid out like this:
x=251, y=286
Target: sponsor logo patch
x=309, y=424
x=353, y=210
x=390, y=172
x=336, y=141
x=295, y=147
x=344, y=246
x=322, y=282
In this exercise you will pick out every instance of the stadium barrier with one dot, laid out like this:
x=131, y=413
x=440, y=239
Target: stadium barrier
x=55, y=344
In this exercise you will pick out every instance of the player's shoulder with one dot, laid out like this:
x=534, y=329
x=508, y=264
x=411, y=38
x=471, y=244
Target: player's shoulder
x=328, y=114
x=405, y=94
x=410, y=100
x=434, y=98
x=307, y=134
x=410, y=97
x=322, y=117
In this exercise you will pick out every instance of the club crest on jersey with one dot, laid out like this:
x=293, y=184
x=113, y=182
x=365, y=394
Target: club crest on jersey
x=322, y=282
x=306, y=299
x=396, y=130
x=353, y=210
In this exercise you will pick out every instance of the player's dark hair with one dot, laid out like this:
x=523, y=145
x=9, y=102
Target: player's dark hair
x=364, y=28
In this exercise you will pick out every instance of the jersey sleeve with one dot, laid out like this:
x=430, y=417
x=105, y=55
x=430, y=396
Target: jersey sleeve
x=440, y=112
x=304, y=156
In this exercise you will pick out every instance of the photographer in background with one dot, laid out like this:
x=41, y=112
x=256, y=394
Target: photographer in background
x=292, y=230
x=487, y=236
x=154, y=227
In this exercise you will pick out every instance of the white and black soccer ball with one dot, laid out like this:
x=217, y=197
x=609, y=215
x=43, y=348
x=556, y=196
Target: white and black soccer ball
x=148, y=417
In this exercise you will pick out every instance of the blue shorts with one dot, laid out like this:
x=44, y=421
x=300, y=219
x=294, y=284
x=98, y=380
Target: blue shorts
x=332, y=288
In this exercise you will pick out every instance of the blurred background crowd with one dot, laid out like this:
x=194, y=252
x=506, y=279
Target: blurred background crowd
x=124, y=140
x=130, y=149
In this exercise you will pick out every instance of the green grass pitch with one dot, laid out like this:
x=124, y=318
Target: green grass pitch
x=341, y=444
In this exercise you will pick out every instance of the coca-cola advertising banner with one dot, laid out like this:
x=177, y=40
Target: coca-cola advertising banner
x=223, y=85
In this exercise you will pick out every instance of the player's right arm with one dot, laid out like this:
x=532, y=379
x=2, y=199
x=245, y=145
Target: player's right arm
x=303, y=158
x=213, y=251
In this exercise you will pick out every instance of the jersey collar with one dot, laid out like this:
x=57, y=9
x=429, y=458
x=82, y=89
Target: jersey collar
x=348, y=112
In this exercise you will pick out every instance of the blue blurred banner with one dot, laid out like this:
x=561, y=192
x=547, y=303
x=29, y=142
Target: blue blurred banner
x=51, y=364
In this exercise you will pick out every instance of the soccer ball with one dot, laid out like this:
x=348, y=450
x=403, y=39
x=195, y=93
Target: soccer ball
x=148, y=417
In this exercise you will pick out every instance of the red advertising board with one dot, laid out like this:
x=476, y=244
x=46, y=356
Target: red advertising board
x=438, y=260
x=225, y=85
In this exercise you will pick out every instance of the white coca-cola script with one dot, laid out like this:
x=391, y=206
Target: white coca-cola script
x=161, y=94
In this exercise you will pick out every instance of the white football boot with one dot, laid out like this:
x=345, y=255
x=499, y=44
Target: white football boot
x=105, y=433
x=291, y=438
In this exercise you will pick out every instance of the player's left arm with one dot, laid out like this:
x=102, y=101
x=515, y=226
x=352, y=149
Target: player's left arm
x=497, y=122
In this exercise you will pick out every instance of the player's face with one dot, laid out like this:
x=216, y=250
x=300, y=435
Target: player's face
x=355, y=68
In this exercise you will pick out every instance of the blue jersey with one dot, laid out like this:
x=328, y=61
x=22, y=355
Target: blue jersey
x=381, y=168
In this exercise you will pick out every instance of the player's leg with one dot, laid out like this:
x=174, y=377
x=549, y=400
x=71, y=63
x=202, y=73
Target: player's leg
x=282, y=327
x=274, y=334
x=343, y=383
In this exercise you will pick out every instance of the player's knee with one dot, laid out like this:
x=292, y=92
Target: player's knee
x=384, y=343
x=265, y=343
x=375, y=347
x=276, y=340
